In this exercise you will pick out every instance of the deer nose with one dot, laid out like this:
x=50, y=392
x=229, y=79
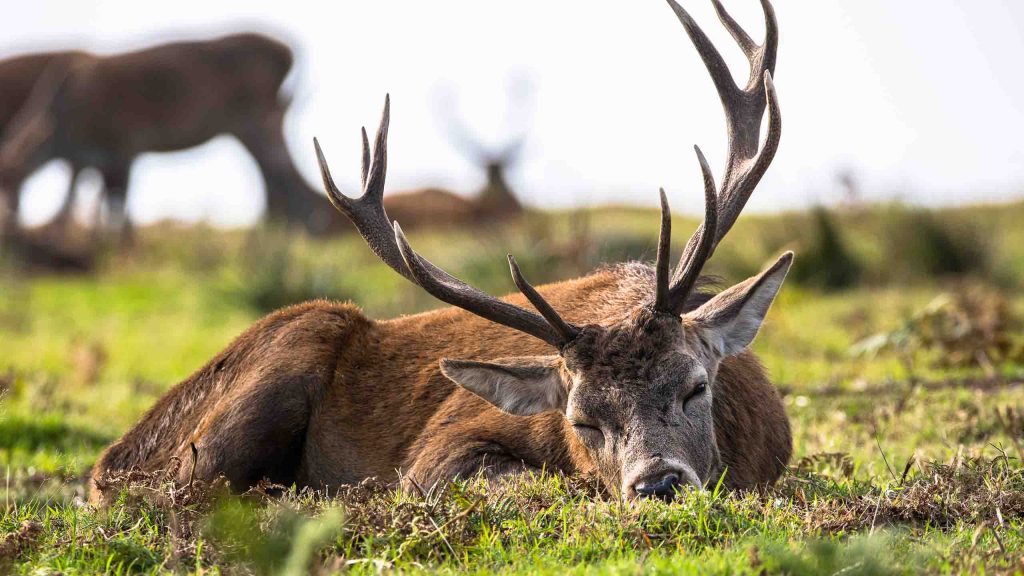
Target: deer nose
x=664, y=488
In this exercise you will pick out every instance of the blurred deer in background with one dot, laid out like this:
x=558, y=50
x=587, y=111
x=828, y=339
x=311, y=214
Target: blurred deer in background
x=495, y=200
x=104, y=111
x=631, y=373
x=435, y=207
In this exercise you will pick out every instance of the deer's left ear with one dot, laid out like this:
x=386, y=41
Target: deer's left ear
x=518, y=386
x=731, y=319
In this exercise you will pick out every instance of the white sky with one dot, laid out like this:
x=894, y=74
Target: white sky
x=923, y=98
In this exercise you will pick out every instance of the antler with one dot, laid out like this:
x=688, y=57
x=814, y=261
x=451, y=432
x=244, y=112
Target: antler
x=390, y=245
x=744, y=109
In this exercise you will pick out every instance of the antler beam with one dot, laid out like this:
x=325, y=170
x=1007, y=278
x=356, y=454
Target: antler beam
x=745, y=164
x=389, y=243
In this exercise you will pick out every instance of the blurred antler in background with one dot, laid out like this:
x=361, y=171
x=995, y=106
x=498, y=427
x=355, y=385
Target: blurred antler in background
x=496, y=199
x=434, y=207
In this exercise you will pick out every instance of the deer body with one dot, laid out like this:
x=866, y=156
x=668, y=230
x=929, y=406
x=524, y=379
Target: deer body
x=104, y=111
x=346, y=409
x=630, y=373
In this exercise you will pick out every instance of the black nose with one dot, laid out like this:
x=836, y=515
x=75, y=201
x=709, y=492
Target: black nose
x=665, y=488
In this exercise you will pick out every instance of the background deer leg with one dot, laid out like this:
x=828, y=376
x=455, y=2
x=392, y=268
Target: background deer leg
x=65, y=215
x=9, y=205
x=115, y=184
x=289, y=198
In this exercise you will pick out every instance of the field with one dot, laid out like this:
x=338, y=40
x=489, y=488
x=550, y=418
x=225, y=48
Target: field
x=904, y=386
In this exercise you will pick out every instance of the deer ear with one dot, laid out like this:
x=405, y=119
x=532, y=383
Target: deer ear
x=732, y=318
x=518, y=386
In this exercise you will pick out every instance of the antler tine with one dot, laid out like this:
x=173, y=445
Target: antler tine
x=451, y=290
x=661, y=268
x=367, y=212
x=770, y=49
x=566, y=331
x=690, y=268
x=738, y=33
x=744, y=112
x=374, y=187
x=720, y=75
x=342, y=203
x=366, y=158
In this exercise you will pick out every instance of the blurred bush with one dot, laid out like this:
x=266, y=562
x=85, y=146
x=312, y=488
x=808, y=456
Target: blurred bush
x=825, y=262
x=273, y=272
x=972, y=326
x=918, y=243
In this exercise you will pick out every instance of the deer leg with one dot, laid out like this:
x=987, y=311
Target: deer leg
x=288, y=198
x=260, y=433
x=115, y=183
x=9, y=204
x=445, y=459
x=64, y=216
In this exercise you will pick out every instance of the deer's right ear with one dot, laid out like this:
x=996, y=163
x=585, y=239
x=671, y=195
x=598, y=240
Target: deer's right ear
x=519, y=386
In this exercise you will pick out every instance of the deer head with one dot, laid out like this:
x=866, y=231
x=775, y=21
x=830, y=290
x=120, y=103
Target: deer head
x=636, y=395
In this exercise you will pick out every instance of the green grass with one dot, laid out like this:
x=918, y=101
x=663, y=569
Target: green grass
x=891, y=474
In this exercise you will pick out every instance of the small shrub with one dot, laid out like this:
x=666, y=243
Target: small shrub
x=970, y=327
x=273, y=274
x=918, y=243
x=826, y=262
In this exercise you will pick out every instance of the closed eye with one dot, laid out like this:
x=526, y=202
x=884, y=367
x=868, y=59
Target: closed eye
x=697, y=391
x=582, y=427
x=590, y=435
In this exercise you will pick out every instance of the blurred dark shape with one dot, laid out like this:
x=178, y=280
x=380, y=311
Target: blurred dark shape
x=495, y=200
x=924, y=243
x=851, y=195
x=826, y=262
x=104, y=111
x=430, y=208
x=45, y=248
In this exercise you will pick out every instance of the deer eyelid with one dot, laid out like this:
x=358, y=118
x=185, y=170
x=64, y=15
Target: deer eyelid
x=698, y=389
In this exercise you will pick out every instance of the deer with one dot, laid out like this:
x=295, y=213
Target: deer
x=495, y=200
x=434, y=207
x=104, y=111
x=634, y=374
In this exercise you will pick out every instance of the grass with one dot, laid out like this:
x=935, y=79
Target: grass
x=894, y=473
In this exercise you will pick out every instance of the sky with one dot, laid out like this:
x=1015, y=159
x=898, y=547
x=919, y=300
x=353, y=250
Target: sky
x=919, y=99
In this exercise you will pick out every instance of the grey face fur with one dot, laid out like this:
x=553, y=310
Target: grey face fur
x=637, y=394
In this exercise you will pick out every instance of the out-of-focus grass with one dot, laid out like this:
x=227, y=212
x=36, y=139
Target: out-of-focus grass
x=82, y=357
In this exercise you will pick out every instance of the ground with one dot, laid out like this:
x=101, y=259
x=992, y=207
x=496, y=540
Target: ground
x=901, y=465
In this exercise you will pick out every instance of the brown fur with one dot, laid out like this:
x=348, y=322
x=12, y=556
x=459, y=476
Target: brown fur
x=320, y=395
